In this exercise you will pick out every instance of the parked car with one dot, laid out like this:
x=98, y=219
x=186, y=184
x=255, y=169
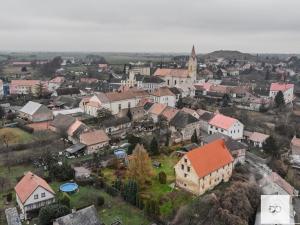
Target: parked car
x=124, y=145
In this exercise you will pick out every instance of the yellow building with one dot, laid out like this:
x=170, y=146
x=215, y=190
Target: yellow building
x=204, y=168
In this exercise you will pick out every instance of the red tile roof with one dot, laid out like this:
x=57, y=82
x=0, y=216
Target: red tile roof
x=222, y=121
x=28, y=184
x=281, y=86
x=209, y=158
x=169, y=113
x=183, y=73
x=25, y=82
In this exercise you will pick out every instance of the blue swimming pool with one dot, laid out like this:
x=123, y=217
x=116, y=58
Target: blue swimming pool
x=68, y=187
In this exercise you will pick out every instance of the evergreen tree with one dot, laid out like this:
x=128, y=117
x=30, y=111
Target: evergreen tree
x=162, y=177
x=129, y=114
x=268, y=75
x=140, y=166
x=271, y=147
x=154, y=149
x=103, y=114
x=194, y=138
x=279, y=99
x=39, y=90
x=48, y=213
x=131, y=192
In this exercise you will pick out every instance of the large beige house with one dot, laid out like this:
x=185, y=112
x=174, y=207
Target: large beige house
x=204, y=168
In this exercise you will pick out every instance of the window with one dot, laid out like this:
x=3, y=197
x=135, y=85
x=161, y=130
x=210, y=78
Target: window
x=168, y=82
x=185, y=175
x=182, y=166
x=185, y=160
x=188, y=169
x=43, y=195
x=36, y=196
x=175, y=82
x=128, y=104
x=120, y=107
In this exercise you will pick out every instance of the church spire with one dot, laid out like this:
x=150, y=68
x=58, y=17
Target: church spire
x=193, y=54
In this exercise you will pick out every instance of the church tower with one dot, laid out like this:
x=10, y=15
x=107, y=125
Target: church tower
x=192, y=65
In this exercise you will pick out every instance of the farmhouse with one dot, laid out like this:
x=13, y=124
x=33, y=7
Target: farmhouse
x=204, y=168
x=286, y=89
x=36, y=112
x=32, y=193
x=94, y=140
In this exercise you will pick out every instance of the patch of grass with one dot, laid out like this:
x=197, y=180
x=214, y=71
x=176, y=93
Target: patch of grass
x=114, y=207
x=260, y=153
x=15, y=135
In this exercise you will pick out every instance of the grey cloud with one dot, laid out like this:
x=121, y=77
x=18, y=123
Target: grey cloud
x=156, y=25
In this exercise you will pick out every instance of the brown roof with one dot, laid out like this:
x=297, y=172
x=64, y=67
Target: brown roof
x=25, y=82
x=258, y=137
x=94, y=137
x=169, y=113
x=157, y=108
x=183, y=73
x=210, y=157
x=130, y=94
x=163, y=91
x=28, y=184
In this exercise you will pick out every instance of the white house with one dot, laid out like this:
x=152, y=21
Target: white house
x=287, y=90
x=226, y=125
x=165, y=96
x=113, y=101
x=33, y=192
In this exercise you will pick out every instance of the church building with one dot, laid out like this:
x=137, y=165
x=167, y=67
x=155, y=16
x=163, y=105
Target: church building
x=180, y=77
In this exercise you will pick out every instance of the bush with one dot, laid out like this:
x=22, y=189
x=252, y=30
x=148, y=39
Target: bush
x=162, y=177
x=100, y=201
x=9, y=197
x=48, y=213
x=99, y=183
x=111, y=190
x=65, y=200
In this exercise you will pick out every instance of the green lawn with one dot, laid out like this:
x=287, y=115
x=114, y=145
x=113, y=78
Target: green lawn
x=114, y=207
x=15, y=135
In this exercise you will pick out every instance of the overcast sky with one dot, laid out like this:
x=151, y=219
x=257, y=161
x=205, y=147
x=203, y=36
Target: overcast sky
x=264, y=26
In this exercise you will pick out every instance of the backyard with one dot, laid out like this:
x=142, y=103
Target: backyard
x=14, y=136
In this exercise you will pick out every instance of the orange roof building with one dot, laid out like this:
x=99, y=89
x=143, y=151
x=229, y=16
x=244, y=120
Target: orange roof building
x=33, y=192
x=205, y=167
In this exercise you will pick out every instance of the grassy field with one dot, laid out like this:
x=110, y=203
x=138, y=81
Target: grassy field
x=15, y=135
x=114, y=207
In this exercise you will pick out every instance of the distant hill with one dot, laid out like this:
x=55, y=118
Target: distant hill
x=227, y=54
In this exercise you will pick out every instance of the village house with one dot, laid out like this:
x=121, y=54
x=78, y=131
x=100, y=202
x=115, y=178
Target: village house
x=191, y=111
x=55, y=83
x=94, y=140
x=204, y=168
x=204, y=119
x=85, y=216
x=156, y=110
x=236, y=148
x=23, y=86
x=169, y=113
x=113, y=101
x=255, y=139
x=35, y=112
x=183, y=125
x=68, y=126
x=32, y=193
x=226, y=125
x=116, y=126
x=164, y=95
x=286, y=89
